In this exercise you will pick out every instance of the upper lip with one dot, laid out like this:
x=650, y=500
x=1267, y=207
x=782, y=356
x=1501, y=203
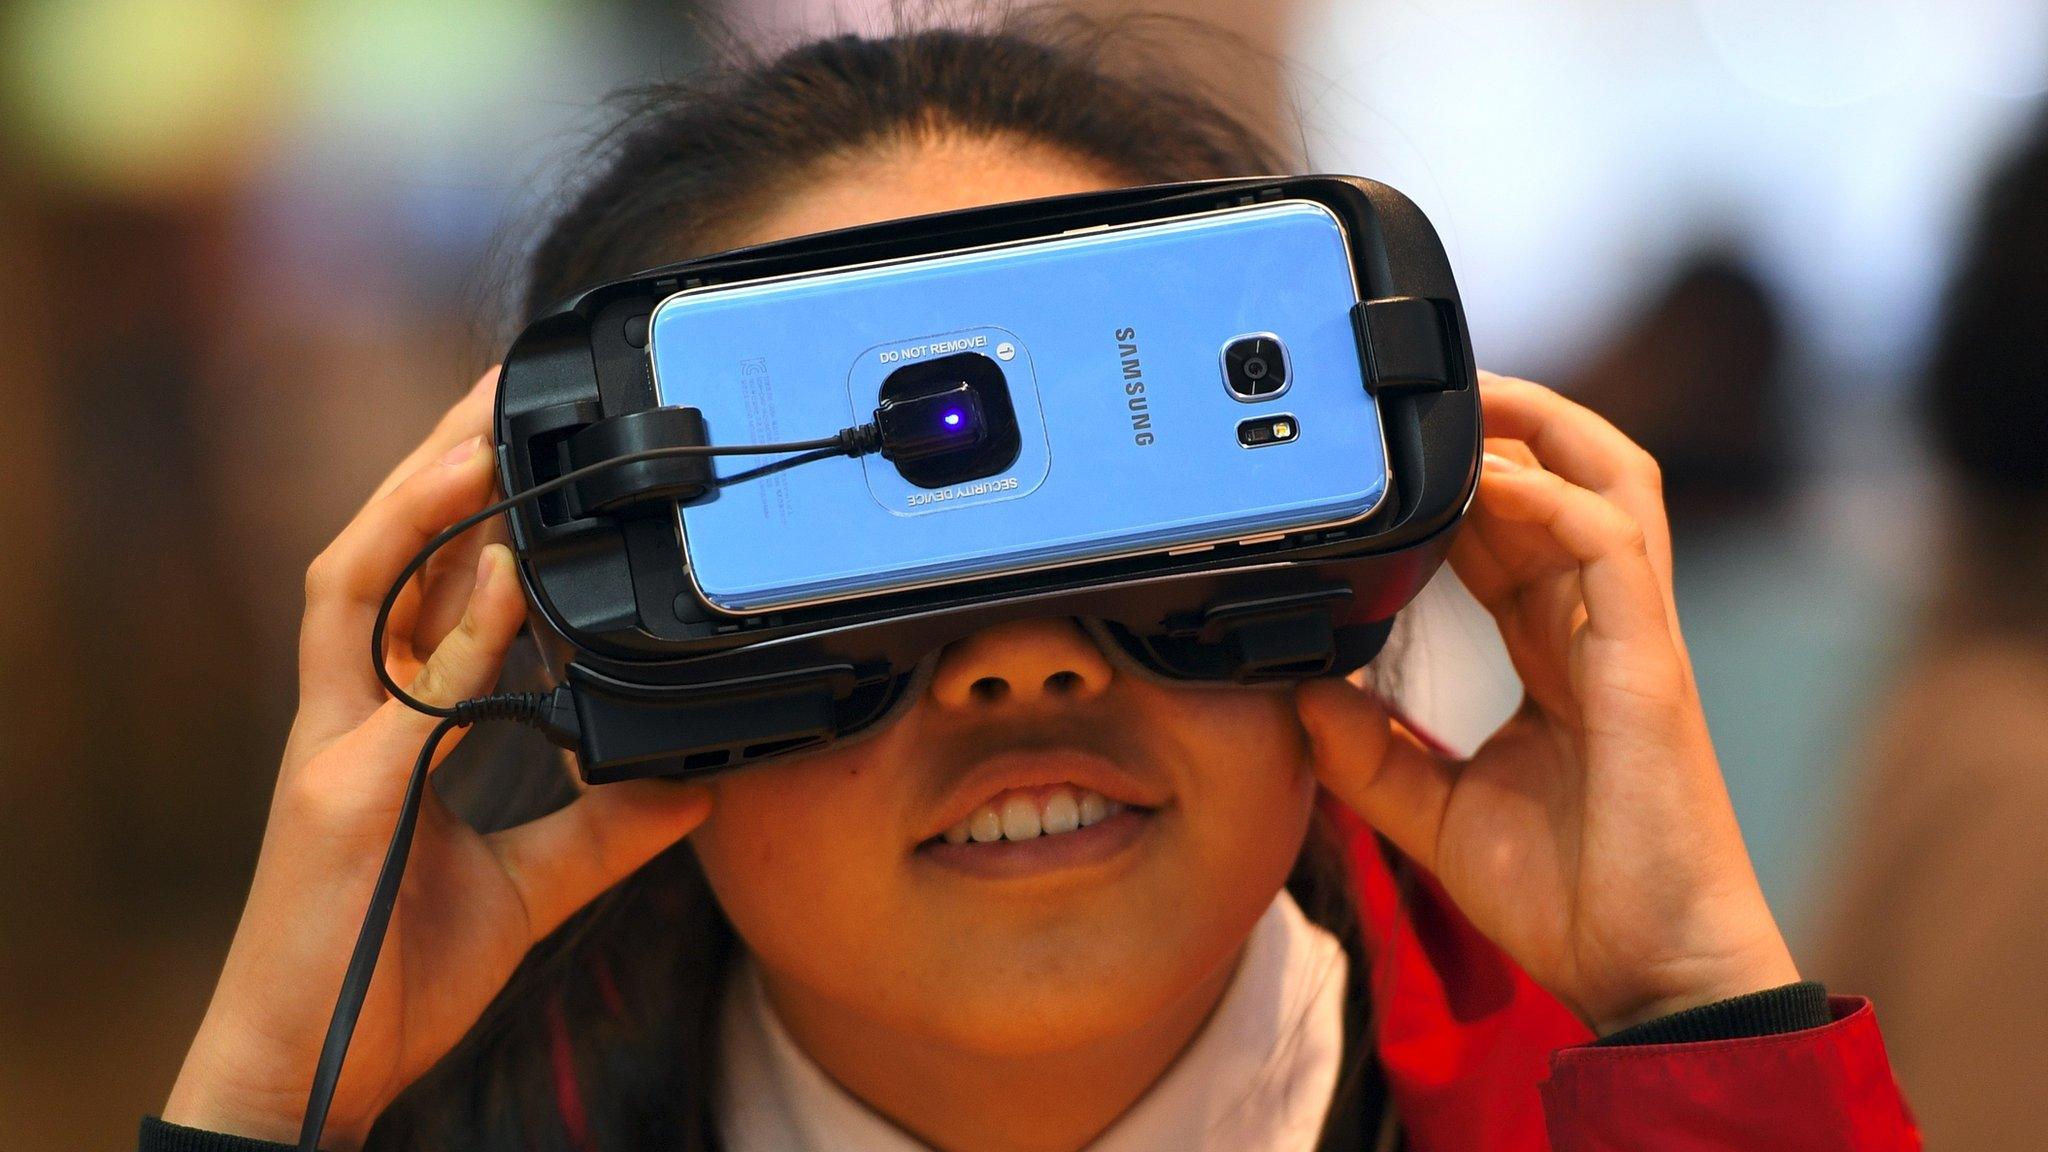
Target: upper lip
x=1031, y=767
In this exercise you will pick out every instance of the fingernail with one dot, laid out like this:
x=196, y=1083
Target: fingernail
x=1501, y=463
x=485, y=568
x=463, y=451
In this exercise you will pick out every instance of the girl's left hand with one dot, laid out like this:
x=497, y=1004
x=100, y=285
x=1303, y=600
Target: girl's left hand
x=1591, y=837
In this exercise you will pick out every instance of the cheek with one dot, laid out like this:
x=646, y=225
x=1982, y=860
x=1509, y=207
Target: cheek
x=1247, y=794
x=804, y=861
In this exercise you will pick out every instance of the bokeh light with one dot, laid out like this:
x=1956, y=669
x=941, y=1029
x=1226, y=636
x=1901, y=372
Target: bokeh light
x=146, y=93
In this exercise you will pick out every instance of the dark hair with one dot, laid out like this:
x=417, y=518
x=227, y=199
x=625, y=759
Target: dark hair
x=687, y=163
x=1986, y=394
x=623, y=998
x=1985, y=402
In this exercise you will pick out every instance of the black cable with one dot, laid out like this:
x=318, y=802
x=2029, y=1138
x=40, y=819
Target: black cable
x=759, y=471
x=526, y=707
x=848, y=442
x=530, y=708
x=362, y=963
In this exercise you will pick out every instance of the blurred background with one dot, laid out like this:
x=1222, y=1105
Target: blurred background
x=249, y=250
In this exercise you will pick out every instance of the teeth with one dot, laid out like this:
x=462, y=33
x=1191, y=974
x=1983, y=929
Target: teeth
x=1020, y=818
x=1094, y=806
x=985, y=825
x=1062, y=814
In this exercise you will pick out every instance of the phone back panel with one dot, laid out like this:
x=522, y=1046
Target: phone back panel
x=1110, y=342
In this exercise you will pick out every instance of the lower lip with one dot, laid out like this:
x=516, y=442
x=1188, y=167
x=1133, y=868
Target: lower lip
x=1098, y=843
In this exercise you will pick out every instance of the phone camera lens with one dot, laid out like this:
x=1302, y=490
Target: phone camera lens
x=1255, y=367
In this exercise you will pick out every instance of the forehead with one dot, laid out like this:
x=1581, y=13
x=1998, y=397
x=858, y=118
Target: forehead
x=914, y=177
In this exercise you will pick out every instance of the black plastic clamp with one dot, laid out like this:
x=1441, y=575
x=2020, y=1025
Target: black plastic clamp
x=1277, y=637
x=666, y=480
x=1407, y=342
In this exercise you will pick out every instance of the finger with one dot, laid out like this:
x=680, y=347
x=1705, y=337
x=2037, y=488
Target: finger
x=398, y=630
x=1380, y=772
x=347, y=582
x=1623, y=599
x=470, y=416
x=1513, y=449
x=563, y=860
x=431, y=603
x=467, y=661
x=446, y=584
x=1580, y=445
x=382, y=750
x=1656, y=531
x=1506, y=557
x=1479, y=565
x=1531, y=587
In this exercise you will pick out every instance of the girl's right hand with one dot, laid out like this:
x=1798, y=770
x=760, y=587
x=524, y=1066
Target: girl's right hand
x=471, y=904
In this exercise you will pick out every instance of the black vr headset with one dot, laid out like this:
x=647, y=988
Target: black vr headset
x=662, y=684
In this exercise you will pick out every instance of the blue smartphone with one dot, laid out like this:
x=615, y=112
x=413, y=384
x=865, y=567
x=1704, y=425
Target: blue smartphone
x=1166, y=386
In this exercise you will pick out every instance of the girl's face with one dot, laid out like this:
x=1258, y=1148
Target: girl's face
x=836, y=868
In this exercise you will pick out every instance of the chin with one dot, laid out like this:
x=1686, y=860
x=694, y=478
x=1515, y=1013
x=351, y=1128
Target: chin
x=1020, y=1023
x=1054, y=992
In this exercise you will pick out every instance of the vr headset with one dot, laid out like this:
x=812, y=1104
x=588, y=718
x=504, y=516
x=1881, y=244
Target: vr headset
x=1288, y=496
x=667, y=681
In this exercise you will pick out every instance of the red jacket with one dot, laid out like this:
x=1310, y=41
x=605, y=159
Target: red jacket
x=1479, y=1058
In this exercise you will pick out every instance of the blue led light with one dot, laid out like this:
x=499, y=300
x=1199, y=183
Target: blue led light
x=952, y=418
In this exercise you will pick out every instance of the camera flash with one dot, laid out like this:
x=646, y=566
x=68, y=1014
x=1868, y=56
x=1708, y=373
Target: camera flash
x=1259, y=431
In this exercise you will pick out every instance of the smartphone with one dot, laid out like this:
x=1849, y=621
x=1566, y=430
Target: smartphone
x=1165, y=386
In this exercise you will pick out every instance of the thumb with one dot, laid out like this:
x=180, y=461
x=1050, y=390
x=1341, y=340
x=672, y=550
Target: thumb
x=1372, y=766
x=565, y=859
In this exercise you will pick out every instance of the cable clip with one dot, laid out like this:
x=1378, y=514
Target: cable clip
x=664, y=480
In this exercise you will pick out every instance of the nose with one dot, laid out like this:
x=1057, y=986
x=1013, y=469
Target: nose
x=1023, y=663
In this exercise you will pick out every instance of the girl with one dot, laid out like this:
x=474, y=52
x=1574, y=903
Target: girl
x=1054, y=902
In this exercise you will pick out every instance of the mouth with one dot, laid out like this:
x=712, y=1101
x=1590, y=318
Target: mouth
x=1029, y=812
